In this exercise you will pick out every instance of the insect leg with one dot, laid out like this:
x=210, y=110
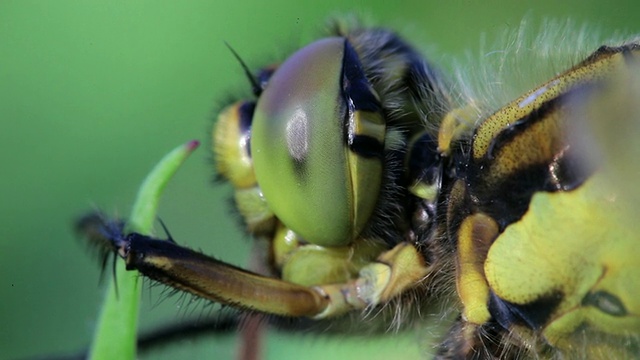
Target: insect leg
x=204, y=276
x=394, y=272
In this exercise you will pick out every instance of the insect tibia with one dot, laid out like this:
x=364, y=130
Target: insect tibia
x=206, y=277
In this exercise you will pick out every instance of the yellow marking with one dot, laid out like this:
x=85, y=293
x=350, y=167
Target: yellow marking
x=254, y=210
x=284, y=243
x=365, y=174
x=572, y=243
x=369, y=124
x=455, y=125
x=475, y=236
x=539, y=144
x=230, y=149
x=425, y=191
x=593, y=68
x=407, y=270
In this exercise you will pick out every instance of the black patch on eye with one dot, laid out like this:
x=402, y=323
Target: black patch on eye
x=355, y=86
x=245, y=112
x=366, y=146
x=605, y=302
x=534, y=314
x=358, y=96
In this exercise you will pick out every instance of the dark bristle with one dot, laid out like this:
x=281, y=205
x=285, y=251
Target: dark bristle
x=166, y=231
x=113, y=273
x=103, y=265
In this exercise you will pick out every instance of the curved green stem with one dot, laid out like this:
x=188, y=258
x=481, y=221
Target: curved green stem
x=115, y=335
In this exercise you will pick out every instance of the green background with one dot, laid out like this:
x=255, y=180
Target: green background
x=92, y=94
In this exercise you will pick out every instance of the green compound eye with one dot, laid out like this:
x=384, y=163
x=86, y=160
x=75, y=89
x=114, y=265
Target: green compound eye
x=317, y=143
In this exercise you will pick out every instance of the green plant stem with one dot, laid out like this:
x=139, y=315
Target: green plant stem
x=115, y=336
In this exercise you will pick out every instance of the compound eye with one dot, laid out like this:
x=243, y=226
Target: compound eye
x=317, y=141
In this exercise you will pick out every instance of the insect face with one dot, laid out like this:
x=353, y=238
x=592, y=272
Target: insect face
x=370, y=185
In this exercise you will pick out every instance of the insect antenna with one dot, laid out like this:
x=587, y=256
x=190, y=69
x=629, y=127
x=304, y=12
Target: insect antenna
x=256, y=88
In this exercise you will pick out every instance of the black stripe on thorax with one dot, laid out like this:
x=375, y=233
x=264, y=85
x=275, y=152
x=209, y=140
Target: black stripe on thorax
x=507, y=199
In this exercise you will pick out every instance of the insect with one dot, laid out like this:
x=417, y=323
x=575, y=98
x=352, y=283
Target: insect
x=377, y=188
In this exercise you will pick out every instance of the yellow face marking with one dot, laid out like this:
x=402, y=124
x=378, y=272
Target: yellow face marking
x=581, y=245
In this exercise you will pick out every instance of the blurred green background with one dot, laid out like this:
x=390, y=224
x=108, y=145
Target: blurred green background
x=93, y=93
